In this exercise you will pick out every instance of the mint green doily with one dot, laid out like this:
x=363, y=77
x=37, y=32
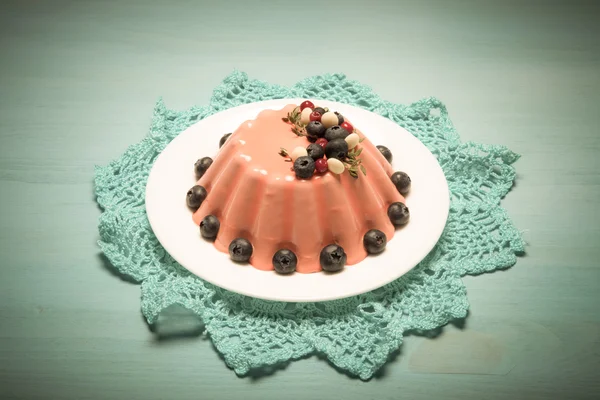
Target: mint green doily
x=356, y=334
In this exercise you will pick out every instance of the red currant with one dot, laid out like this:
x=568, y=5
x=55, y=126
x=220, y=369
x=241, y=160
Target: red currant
x=347, y=126
x=306, y=104
x=321, y=165
x=321, y=142
x=315, y=116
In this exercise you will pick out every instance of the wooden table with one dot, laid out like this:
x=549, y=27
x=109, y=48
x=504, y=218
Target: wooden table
x=79, y=80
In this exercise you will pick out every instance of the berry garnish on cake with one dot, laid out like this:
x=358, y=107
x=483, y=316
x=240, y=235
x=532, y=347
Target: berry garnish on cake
x=333, y=132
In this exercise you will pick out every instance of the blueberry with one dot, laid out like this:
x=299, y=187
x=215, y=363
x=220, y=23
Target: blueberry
x=336, y=132
x=374, y=241
x=315, y=151
x=402, y=182
x=224, y=139
x=340, y=118
x=285, y=261
x=315, y=128
x=320, y=110
x=398, y=213
x=240, y=250
x=386, y=153
x=332, y=258
x=304, y=167
x=337, y=148
x=311, y=138
x=195, y=196
x=209, y=227
x=201, y=166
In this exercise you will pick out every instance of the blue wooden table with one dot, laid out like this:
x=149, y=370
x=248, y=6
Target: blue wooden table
x=79, y=80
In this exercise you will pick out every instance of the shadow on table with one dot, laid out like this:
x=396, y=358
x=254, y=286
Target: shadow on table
x=176, y=323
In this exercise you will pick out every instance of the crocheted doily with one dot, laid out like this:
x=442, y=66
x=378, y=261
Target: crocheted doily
x=356, y=334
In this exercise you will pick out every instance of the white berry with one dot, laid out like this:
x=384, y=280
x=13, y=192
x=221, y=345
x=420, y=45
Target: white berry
x=329, y=119
x=335, y=165
x=352, y=140
x=298, y=152
x=305, y=115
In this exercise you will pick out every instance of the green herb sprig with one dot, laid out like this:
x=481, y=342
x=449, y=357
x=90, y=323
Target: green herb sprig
x=294, y=118
x=353, y=164
x=284, y=153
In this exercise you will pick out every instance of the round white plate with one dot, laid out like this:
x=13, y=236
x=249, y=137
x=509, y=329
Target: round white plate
x=172, y=175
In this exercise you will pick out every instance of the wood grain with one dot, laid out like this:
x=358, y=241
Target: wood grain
x=79, y=80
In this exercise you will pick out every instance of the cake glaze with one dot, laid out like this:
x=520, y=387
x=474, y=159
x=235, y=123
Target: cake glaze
x=255, y=195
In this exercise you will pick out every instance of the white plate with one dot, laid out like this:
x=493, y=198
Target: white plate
x=172, y=175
